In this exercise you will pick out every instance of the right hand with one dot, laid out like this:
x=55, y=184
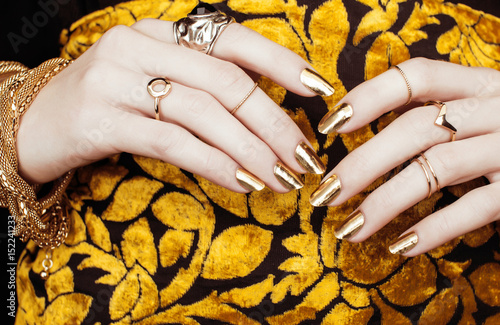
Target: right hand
x=99, y=106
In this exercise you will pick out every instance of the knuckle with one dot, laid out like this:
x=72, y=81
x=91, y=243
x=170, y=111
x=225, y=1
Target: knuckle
x=445, y=223
x=143, y=23
x=199, y=104
x=444, y=161
x=167, y=140
x=228, y=76
x=424, y=75
x=484, y=205
x=111, y=40
x=359, y=161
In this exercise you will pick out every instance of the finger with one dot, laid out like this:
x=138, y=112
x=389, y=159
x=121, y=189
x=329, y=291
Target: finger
x=175, y=145
x=252, y=51
x=202, y=115
x=428, y=80
x=446, y=161
x=224, y=81
x=408, y=135
x=475, y=209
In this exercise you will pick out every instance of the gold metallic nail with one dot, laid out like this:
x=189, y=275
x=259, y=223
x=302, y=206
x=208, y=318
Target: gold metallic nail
x=351, y=225
x=308, y=159
x=316, y=83
x=404, y=244
x=334, y=119
x=326, y=192
x=287, y=177
x=248, y=180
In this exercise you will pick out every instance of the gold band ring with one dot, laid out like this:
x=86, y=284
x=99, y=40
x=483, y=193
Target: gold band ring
x=199, y=32
x=159, y=94
x=244, y=99
x=410, y=94
x=426, y=175
x=441, y=119
x=427, y=162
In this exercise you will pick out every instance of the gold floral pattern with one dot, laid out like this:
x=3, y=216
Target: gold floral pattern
x=152, y=244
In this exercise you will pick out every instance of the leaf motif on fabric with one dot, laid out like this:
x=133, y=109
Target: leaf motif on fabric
x=316, y=300
x=411, y=31
x=354, y=295
x=486, y=282
x=236, y=252
x=342, y=314
x=181, y=211
x=138, y=245
x=271, y=208
x=71, y=308
x=105, y=179
x=387, y=50
x=173, y=245
x=136, y=295
x=98, y=232
x=59, y=283
x=440, y=309
x=132, y=197
x=78, y=230
x=236, y=203
x=405, y=289
x=389, y=314
x=250, y=296
x=258, y=6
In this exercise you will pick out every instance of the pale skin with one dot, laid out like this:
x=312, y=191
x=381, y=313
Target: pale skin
x=99, y=106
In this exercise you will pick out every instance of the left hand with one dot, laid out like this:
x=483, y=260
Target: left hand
x=472, y=97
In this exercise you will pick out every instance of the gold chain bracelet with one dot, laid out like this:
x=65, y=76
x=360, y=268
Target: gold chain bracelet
x=45, y=220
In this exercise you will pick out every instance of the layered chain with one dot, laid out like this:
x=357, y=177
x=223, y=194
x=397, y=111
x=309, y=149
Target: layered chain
x=43, y=220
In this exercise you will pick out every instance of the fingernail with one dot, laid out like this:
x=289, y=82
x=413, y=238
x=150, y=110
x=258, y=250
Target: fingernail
x=351, y=225
x=287, y=177
x=404, y=244
x=248, y=180
x=308, y=159
x=326, y=192
x=335, y=118
x=316, y=83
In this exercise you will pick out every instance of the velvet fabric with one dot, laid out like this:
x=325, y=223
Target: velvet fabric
x=153, y=244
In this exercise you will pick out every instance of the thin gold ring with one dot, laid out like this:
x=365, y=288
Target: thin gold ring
x=233, y=111
x=159, y=94
x=426, y=175
x=432, y=170
x=410, y=93
x=441, y=119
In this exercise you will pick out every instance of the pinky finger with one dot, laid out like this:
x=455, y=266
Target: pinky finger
x=175, y=145
x=475, y=209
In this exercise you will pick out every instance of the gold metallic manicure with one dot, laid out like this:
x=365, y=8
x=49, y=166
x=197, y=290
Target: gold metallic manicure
x=404, y=244
x=287, y=177
x=308, y=159
x=326, y=192
x=334, y=119
x=248, y=180
x=351, y=225
x=316, y=83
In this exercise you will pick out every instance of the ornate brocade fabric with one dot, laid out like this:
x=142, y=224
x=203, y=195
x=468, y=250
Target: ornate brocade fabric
x=153, y=244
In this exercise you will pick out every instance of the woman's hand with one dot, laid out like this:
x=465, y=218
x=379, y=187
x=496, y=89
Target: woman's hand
x=100, y=106
x=472, y=98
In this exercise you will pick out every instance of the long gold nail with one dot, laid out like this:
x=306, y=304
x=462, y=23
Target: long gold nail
x=287, y=177
x=316, y=83
x=404, y=244
x=308, y=159
x=351, y=225
x=334, y=119
x=326, y=192
x=248, y=180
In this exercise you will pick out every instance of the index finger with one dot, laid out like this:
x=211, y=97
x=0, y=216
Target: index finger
x=250, y=50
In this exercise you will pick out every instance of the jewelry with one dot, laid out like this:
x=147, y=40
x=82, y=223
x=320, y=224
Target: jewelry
x=426, y=175
x=199, y=32
x=244, y=99
x=43, y=220
x=427, y=162
x=407, y=84
x=441, y=119
x=159, y=94
x=432, y=170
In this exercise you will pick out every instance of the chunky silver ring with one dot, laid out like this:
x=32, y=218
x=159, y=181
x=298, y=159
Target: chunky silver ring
x=199, y=32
